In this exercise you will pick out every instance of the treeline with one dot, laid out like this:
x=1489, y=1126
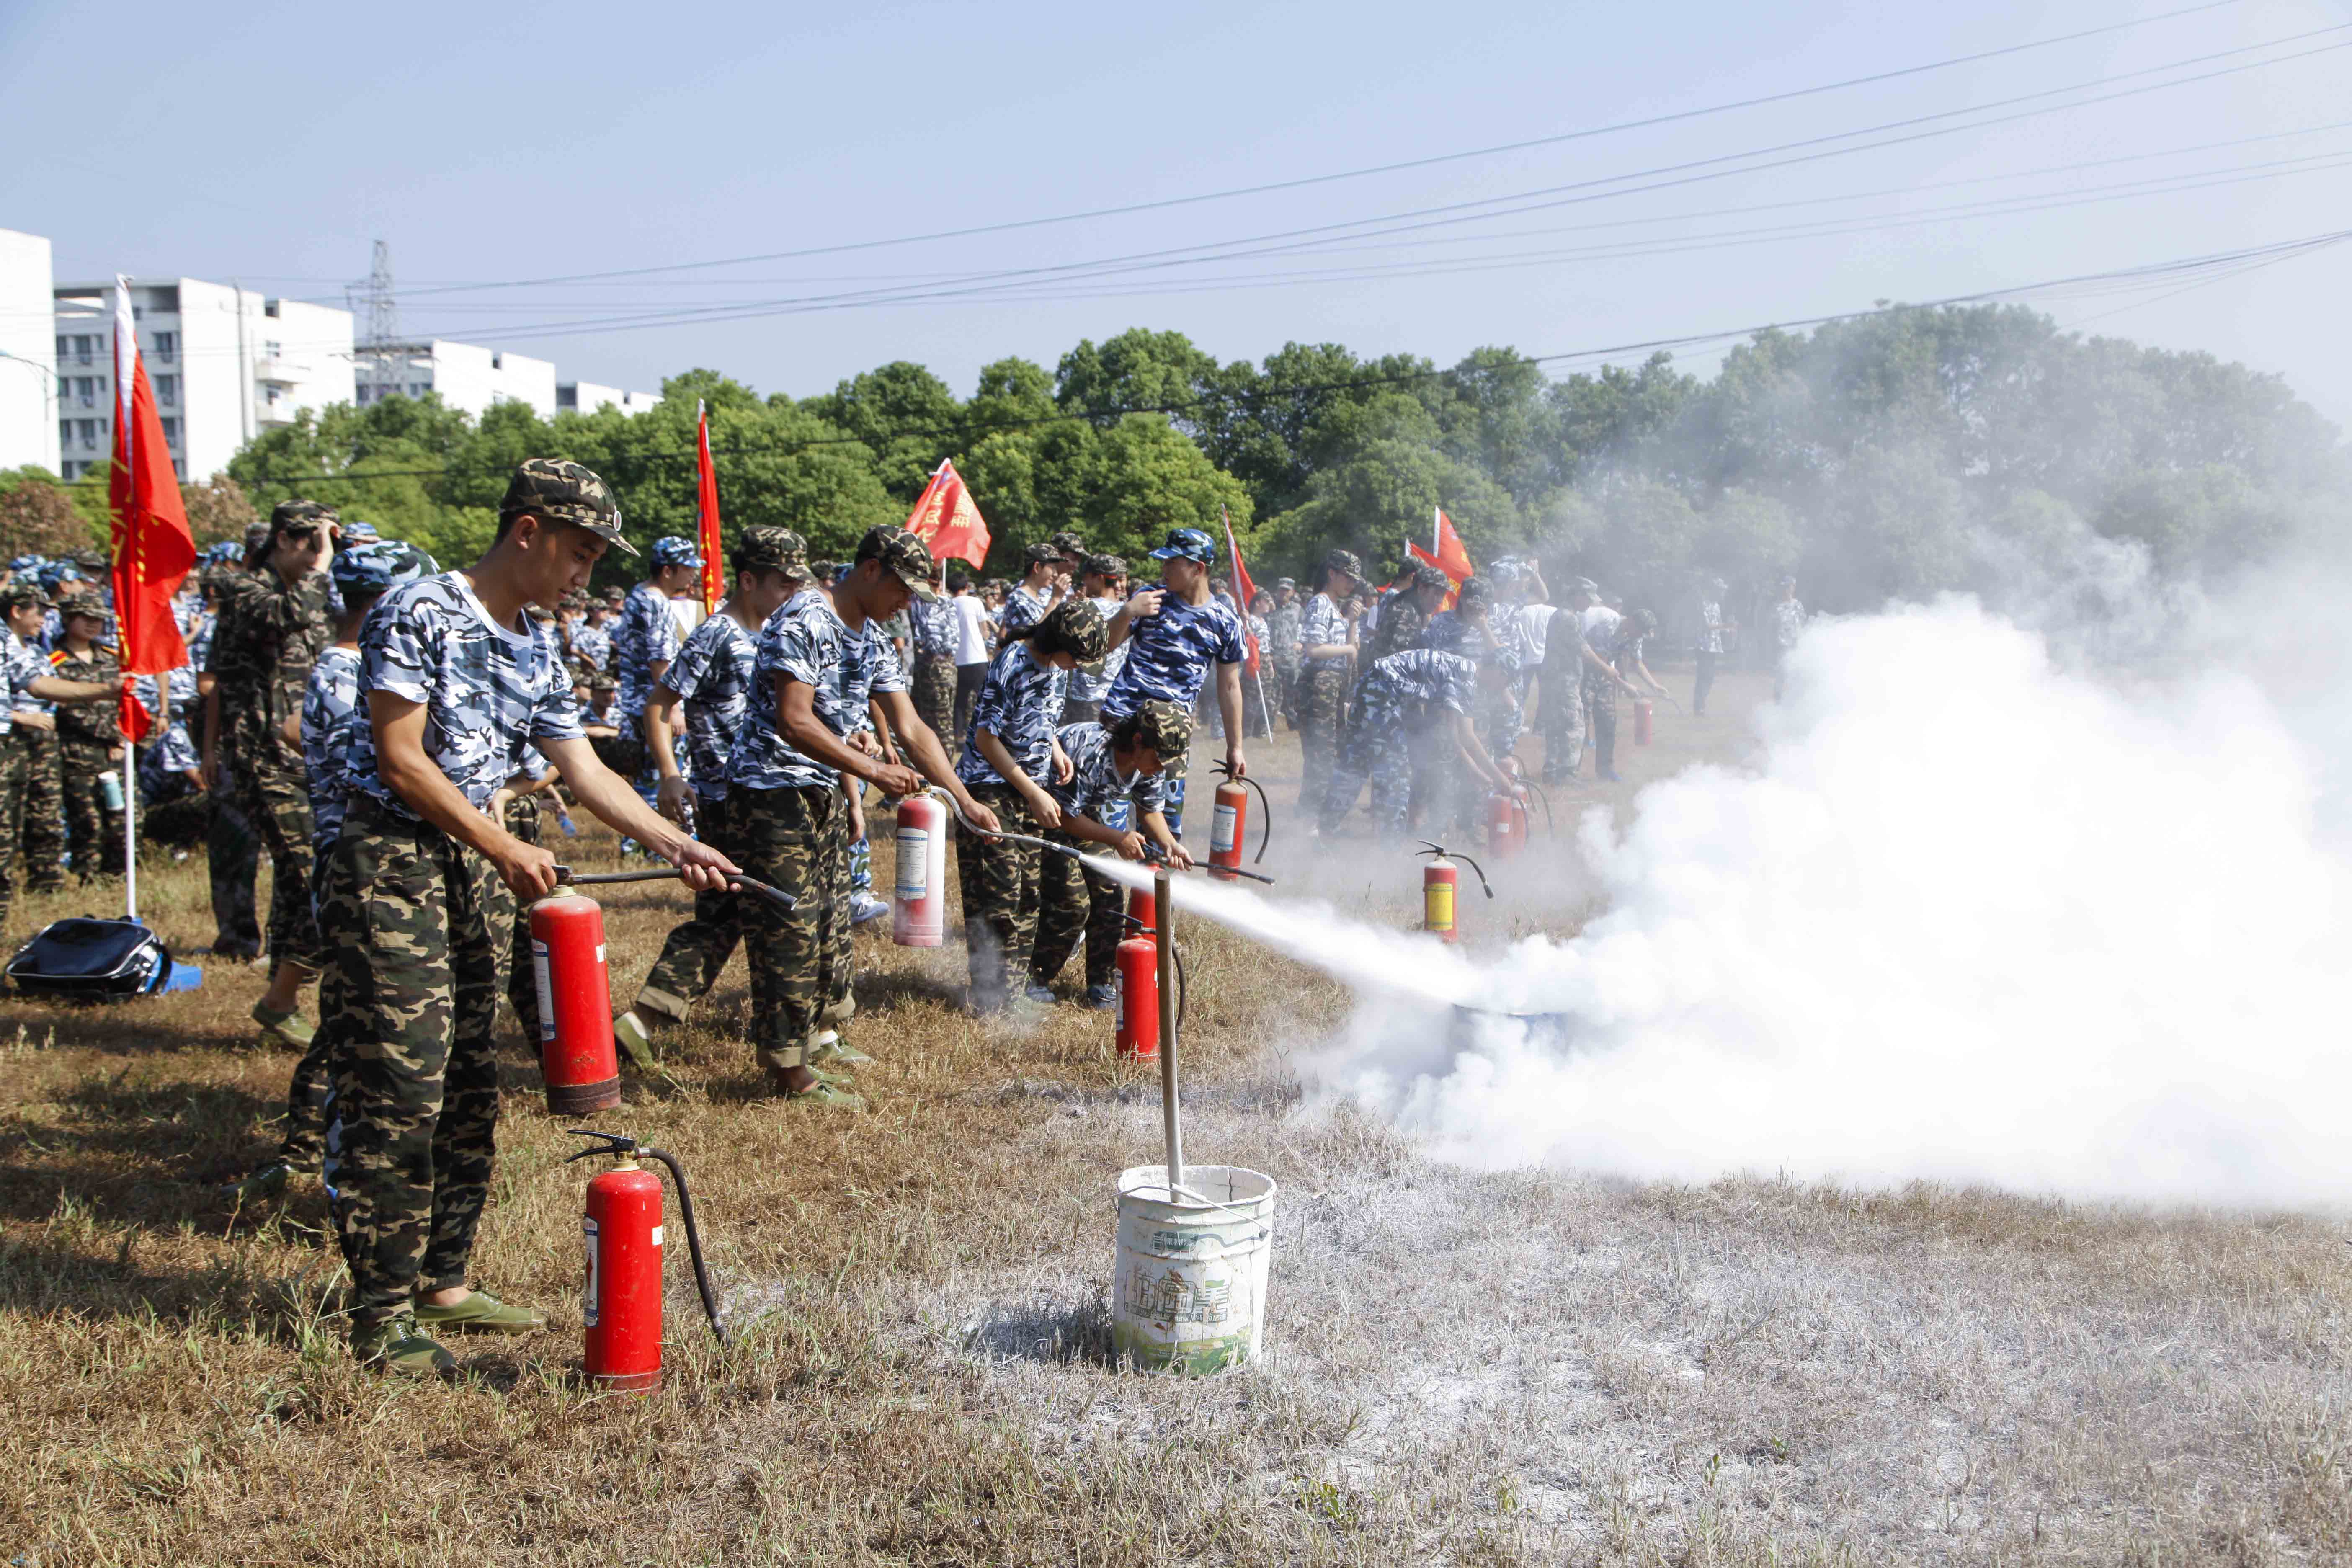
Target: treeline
x=1871, y=458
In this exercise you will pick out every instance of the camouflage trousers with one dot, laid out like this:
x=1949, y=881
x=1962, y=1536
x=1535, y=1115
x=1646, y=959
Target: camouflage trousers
x=233, y=856
x=998, y=879
x=1379, y=745
x=1322, y=700
x=935, y=694
x=696, y=950
x=93, y=829
x=798, y=840
x=1282, y=688
x=13, y=753
x=44, y=810
x=523, y=820
x=418, y=926
x=1600, y=724
x=272, y=790
x=1073, y=901
x=310, y=1092
x=1560, y=710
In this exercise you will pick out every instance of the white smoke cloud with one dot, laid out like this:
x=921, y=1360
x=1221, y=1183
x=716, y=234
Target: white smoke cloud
x=1969, y=917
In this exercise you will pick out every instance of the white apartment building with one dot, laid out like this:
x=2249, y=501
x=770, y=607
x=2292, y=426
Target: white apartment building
x=467, y=377
x=226, y=363
x=29, y=366
x=587, y=396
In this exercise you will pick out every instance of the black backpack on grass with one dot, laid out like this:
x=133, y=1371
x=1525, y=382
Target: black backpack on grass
x=91, y=960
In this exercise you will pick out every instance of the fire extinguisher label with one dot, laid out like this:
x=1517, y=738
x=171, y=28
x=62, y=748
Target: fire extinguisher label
x=1221, y=838
x=914, y=863
x=588, y=1296
x=546, y=991
x=1437, y=906
x=600, y=953
x=657, y=1235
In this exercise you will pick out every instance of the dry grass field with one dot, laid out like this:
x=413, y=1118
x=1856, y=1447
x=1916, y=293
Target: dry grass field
x=1530, y=1367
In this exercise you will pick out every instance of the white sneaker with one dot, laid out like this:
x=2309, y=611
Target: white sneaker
x=866, y=906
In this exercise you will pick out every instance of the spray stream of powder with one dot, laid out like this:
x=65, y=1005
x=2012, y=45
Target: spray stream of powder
x=1967, y=918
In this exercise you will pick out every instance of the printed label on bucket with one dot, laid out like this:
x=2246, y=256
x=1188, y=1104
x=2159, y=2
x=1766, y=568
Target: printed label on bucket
x=546, y=991
x=914, y=863
x=1221, y=832
x=1437, y=906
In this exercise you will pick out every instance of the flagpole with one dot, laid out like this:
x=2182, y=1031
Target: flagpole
x=131, y=828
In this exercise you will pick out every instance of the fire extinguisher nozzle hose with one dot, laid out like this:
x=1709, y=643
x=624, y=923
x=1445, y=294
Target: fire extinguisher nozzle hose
x=566, y=876
x=693, y=1241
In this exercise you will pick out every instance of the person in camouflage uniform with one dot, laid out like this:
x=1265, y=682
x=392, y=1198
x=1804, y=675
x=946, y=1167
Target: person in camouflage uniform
x=643, y=645
x=35, y=726
x=273, y=621
x=1283, y=626
x=1010, y=755
x=712, y=676
x=820, y=661
x=1327, y=650
x=1408, y=703
x=932, y=627
x=1115, y=775
x=416, y=903
x=232, y=853
x=1100, y=577
x=25, y=672
x=89, y=741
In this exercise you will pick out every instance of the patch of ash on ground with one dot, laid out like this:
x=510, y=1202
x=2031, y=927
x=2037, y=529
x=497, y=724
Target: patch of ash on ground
x=1583, y=1362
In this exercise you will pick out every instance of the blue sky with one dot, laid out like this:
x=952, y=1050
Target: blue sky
x=272, y=144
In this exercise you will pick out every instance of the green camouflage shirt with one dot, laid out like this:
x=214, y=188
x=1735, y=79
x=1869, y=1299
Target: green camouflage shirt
x=268, y=636
x=85, y=729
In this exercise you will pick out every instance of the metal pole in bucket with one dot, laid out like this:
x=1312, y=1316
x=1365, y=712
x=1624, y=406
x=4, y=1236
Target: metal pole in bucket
x=1165, y=936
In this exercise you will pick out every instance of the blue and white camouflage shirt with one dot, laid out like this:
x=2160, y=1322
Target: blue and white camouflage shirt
x=19, y=667
x=1091, y=682
x=1019, y=702
x=1096, y=788
x=931, y=629
x=1447, y=632
x=647, y=635
x=1417, y=677
x=1025, y=606
x=1324, y=623
x=488, y=691
x=805, y=641
x=712, y=672
x=1169, y=655
x=330, y=711
x=593, y=644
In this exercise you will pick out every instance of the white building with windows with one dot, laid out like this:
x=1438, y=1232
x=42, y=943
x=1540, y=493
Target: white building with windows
x=29, y=366
x=467, y=376
x=226, y=363
x=587, y=396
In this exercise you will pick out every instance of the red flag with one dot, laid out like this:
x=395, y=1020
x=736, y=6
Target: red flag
x=152, y=547
x=132, y=715
x=1244, y=592
x=947, y=520
x=714, y=575
x=1452, y=558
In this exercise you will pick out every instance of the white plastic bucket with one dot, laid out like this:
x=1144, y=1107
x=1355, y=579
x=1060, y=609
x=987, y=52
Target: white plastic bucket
x=1190, y=1290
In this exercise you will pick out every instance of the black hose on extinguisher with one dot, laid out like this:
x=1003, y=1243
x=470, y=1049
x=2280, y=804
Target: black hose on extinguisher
x=693, y=1240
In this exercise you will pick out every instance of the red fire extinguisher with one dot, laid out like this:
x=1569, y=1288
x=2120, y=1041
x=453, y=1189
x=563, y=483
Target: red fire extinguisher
x=622, y=1307
x=576, y=1058
x=1140, y=909
x=1643, y=709
x=919, y=917
x=1230, y=826
x=1439, y=884
x=1507, y=822
x=1137, y=1033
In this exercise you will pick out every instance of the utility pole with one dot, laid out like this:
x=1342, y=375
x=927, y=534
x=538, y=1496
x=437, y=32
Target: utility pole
x=383, y=312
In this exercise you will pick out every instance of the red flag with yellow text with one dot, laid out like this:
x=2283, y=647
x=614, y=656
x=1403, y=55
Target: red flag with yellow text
x=154, y=549
x=948, y=521
x=706, y=491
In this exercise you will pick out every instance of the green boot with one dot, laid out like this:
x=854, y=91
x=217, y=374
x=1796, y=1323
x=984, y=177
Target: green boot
x=829, y=1046
x=635, y=1042
x=482, y=1313
x=288, y=1028
x=399, y=1346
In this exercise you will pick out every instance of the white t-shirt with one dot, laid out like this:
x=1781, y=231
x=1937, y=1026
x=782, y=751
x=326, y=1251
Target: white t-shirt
x=687, y=613
x=1528, y=624
x=971, y=642
x=1599, y=617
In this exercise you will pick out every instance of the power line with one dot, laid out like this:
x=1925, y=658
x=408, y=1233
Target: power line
x=1352, y=173
x=2210, y=267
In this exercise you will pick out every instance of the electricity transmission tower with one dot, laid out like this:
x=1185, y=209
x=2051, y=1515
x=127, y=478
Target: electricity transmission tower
x=374, y=300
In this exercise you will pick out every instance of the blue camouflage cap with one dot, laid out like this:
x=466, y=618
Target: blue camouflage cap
x=676, y=552
x=379, y=565
x=359, y=531
x=1189, y=544
x=26, y=563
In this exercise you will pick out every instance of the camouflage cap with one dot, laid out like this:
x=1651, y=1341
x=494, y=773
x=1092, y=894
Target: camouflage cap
x=296, y=514
x=1073, y=548
x=1166, y=728
x=603, y=683
x=1429, y=577
x=1105, y=566
x=256, y=534
x=768, y=548
x=17, y=595
x=1291, y=582
x=672, y=549
x=376, y=567
x=575, y=599
x=1073, y=626
x=1645, y=620
x=1190, y=544
x=83, y=604
x=26, y=563
x=902, y=555
x=1043, y=552
x=359, y=531
x=562, y=491
x=91, y=561
x=1344, y=561
x=1475, y=591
